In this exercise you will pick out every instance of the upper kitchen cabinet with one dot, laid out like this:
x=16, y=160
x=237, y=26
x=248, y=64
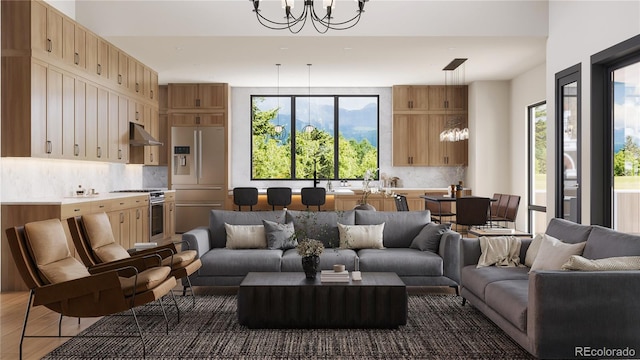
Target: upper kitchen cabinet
x=197, y=119
x=198, y=96
x=74, y=43
x=410, y=98
x=410, y=145
x=448, y=98
x=118, y=67
x=97, y=58
x=46, y=28
x=446, y=153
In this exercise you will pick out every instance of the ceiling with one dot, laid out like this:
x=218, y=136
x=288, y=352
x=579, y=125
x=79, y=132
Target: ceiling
x=396, y=41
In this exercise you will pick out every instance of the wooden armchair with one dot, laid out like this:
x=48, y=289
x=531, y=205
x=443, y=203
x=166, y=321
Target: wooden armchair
x=96, y=246
x=63, y=284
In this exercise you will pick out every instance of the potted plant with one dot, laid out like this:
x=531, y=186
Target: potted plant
x=310, y=250
x=367, y=190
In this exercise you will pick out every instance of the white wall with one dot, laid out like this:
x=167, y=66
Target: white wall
x=577, y=30
x=240, y=152
x=67, y=7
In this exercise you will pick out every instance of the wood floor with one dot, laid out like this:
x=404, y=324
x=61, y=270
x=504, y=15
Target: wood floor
x=43, y=321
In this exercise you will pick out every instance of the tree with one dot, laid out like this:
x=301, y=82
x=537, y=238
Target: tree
x=626, y=162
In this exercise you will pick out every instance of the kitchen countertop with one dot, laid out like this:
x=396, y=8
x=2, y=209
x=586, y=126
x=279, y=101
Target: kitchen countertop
x=351, y=190
x=74, y=199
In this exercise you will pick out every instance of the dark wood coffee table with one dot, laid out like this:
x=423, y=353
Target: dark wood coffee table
x=289, y=300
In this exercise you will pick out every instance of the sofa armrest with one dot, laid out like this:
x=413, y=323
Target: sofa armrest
x=449, y=250
x=469, y=252
x=570, y=311
x=198, y=239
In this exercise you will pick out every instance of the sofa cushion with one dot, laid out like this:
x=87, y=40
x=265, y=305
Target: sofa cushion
x=400, y=227
x=553, y=253
x=245, y=236
x=568, y=231
x=476, y=279
x=291, y=261
x=279, y=236
x=605, y=243
x=621, y=263
x=361, y=236
x=532, y=250
x=404, y=262
x=232, y=262
x=217, y=219
x=428, y=239
x=321, y=225
x=509, y=298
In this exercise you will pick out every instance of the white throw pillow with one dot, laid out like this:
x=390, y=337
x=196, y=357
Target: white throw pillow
x=245, y=236
x=607, y=264
x=533, y=248
x=361, y=236
x=553, y=253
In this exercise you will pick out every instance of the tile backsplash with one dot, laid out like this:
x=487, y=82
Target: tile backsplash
x=31, y=178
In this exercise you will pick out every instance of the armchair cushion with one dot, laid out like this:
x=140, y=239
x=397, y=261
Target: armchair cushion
x=146, y=280
x=110, y=252
x=47, y=241
x=64, y=270
x=181, y=259
x=98, y=230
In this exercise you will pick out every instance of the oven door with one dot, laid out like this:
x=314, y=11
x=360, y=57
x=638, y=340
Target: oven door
x=157, y=221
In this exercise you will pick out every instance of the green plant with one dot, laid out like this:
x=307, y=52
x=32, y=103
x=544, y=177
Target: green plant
x=310, y=247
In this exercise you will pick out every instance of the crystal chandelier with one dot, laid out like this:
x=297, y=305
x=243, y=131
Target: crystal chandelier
x=295, y=23
x=454, y=127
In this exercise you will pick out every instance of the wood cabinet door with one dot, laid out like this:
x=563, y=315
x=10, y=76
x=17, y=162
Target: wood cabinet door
x=139, y=87
x=68, y=117
x=437, y=148
x=401, y=147
x=114, y=58
x=123, y=129
x=103, y=58
x=53, y=145
x=39, y=43
x=214, y=119
x=80, y=146
x=103, y=124
x=54, y=33
x=169, y=219
x=80, y=46
x=163, y=137
x=448, y=98
x=183, y=119
x=131, y=74
x=113, y=135
x=91, y=58
x=146, y=82
x=123, y=64
x=211, y=96
x=458, y=98
x=401, y=98
x=139, y=226
x=153, y=90
x=182, y=96
x=419, y=140
x=420, y=98
x=68, y=41
x=91, y=121
x=38, y=110
x=438, y=98
x=151, y=125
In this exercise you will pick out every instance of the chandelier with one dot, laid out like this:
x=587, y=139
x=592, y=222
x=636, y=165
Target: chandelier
x=295, y=23
x=454, y=127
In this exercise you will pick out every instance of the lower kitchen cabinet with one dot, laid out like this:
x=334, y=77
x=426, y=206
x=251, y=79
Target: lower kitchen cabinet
x=169, y=215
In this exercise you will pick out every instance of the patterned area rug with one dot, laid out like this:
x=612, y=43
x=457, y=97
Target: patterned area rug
x=438, y=327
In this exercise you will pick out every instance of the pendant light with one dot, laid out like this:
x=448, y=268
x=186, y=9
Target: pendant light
x=278, y=128
x=309, y=128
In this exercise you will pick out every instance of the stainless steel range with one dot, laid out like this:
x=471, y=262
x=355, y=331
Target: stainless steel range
x=156, y=211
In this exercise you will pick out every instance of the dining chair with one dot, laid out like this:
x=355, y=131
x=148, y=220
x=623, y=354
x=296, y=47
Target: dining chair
x=278, y=196
x=313, y=196
x=61, y=283
x=245, y=196
x=439, y=210
x=511, y=210
x=401, y=203
x=472, y=211
x=499, y=208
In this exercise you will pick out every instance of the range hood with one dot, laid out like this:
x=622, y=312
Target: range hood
x=138, y=136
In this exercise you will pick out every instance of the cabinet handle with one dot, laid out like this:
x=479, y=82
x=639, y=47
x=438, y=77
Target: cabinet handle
x=137, y=213
x=151, y=92
x=76, y=149
x=49, y=148
x=49, y=45
x=197, y=102
x=151, y=157
x=137, y=115
x=121, y=218
x=137, y=87
x=119, y=79
x=101, y=206
x=99, y=70
x=99, y=153
x=76, y=210
x=198, y=120
x=119, y=154
x=76, y=58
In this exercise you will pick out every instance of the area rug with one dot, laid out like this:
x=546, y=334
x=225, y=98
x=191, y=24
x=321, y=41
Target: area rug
x=438, y=327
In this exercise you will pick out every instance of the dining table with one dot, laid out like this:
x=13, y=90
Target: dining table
x=440, y=199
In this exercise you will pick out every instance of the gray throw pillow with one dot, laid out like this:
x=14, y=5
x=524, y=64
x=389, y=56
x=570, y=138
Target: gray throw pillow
x=279, y=236
x=428, y=239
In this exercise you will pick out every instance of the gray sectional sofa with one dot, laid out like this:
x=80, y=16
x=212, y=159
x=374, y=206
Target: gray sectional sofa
x=562, y=314
x=228, y=267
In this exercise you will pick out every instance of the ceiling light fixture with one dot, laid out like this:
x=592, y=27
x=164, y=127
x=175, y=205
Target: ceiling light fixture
x=309, y=128
x=454, y=126
x=295, y=23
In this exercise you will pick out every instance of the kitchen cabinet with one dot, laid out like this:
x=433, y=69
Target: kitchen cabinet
x=163, y=137
x=73, y=43
x=448, y=98
x=80, y=121
x=120, y=223
x=118, y=124
x=410, y=98
x=102, y=124
x=151, y=153
x=446, y=153
x=410, y=141
x=103, y=58
x=198, y=96
x=169, y=215
x=197, y=119
x=46, y=29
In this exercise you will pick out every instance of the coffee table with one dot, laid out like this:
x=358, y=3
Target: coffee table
x=289, y=300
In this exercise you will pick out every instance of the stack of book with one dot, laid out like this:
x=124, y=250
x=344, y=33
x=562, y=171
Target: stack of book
x=334, y=276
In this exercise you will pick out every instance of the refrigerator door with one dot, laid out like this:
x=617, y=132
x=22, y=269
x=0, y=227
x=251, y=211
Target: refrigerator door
x=184, y=164
x=211, y=164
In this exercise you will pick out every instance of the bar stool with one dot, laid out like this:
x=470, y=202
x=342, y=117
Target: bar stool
x=245, y=196
x=278, y=196
x=313, y=196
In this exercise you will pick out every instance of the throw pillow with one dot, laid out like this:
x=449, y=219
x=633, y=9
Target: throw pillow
x=532, y=250
x=361, y=236
x=607, y=264
x=245, y=236
x=553, y=253
x=428, y=239
x=499, y=251
x=279, y=236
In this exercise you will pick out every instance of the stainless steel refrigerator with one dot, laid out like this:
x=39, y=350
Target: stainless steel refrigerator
x=198, y=174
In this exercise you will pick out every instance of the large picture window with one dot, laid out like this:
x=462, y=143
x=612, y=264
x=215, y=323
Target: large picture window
x=299, y=137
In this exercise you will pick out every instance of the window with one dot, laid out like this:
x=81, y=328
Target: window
x=537, y=167
x=297, y=137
